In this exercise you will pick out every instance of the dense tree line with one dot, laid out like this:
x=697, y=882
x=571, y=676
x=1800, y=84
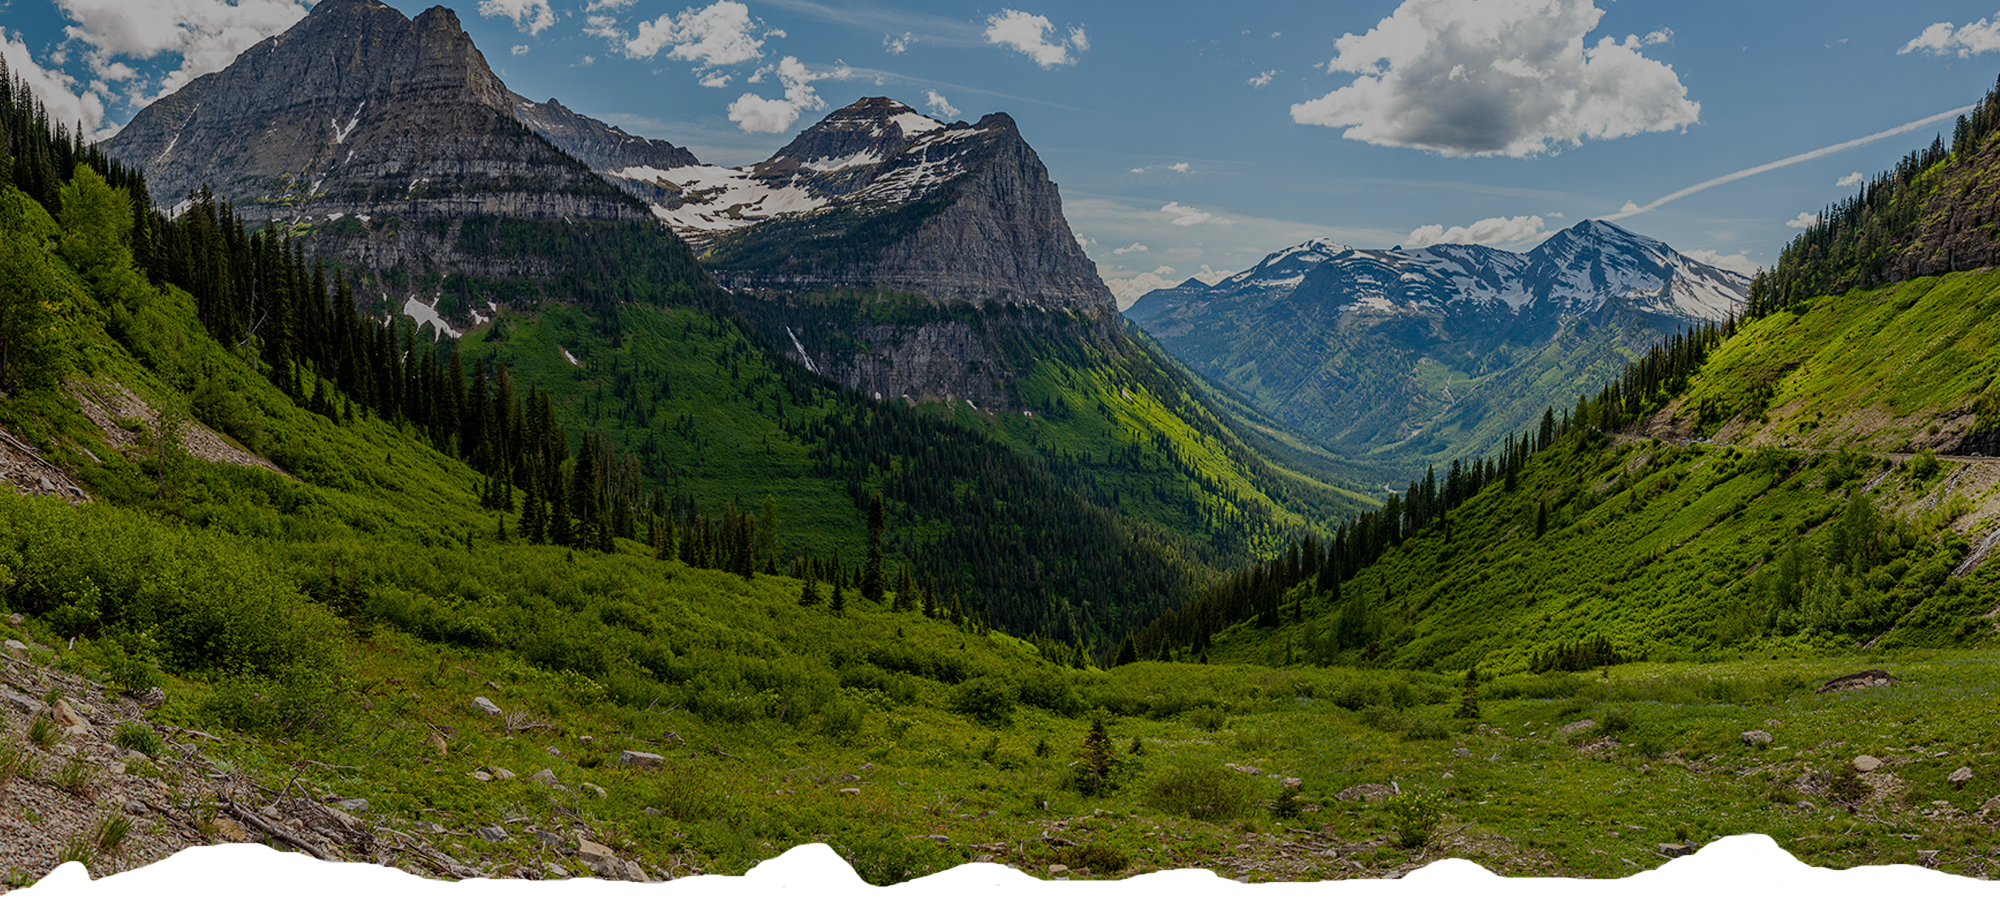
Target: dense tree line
x=1856, y=240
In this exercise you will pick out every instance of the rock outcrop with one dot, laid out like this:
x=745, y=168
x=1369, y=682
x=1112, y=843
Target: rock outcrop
x=877, y=195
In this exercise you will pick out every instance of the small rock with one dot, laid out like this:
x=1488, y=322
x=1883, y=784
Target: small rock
x=429, y=826
x=153, y=698
x=481, y=776
x=548, y=838
x=850, y=778
x=850, y=791
x=16, y=648
x=1676, y=850
x=351, y=805
x=342, y=818
x=552, y=751
x=1991, y=806
x=1959, y=778
x=14, y=619
x=1462, y=752
x=1756, y=738
x=229, y=830
x=544, y=776
x=591, y=850
x=1058, y=870
x=1080, y=872
x=941, y=838
x=500, y=773
x=982, y=858
x=485, y=705
x=437, y=746
x=1293, y=783
x=135, y=807
x=1866, y=763
x=554, y=870
x=586, y=739
x=491, y=834
x=1575, y=727
x=594, y=789
x=637, y=759
x=1927, y=856
x=652, y=811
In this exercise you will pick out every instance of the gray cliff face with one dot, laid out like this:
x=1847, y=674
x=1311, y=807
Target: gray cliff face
x=358, y=113
x=602, y=147
x=877, y=195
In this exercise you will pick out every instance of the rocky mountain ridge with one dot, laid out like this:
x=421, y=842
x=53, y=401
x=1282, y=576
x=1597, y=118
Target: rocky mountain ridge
x=1427, y=354
x=879, y=195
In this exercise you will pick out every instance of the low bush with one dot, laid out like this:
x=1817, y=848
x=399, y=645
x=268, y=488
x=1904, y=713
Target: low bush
x=1210, y=794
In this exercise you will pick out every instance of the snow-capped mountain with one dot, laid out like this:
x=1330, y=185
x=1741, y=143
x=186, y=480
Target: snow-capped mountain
x=880, y=195
x=1435, y=352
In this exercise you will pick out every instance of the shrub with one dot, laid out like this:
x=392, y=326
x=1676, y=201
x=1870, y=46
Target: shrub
x=1209, y=794
x=1415, y=814
x=987, y=699
x=137, y=736
x=1052, y=693
x=1208, y=718
x=1287, y=805
x=1099, y=858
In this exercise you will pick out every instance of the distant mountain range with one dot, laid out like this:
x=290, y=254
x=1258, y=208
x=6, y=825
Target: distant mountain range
x=1418, y=356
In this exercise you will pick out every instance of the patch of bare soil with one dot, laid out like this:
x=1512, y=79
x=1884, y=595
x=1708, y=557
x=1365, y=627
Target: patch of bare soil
x=125, y=419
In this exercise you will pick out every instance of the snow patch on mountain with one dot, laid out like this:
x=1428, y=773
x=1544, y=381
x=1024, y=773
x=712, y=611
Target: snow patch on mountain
x=717, y=199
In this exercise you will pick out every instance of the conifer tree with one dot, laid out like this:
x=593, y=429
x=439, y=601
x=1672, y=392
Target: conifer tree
x=871, y=570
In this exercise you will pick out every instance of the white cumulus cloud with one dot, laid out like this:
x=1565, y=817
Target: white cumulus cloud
x=1496, y=77
x=719, y=34
x=1263, y=78
x=1803, y=220
x=205, y=34
x=1186, y=215
x=715, y=79
x=1180, y=167
x=939, y=104
x=1850, y=180
x=1128, y=290
x=1211, y=276
x=766, y=115
x=519, y=50
x=1029, y=34
x=894, y=46
x=1134, y=248
x=55, y=88
x=531, y=16
x=1491, y=232
x=1965, y=40
x=1735, y=262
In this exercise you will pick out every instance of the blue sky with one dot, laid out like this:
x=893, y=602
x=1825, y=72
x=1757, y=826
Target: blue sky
x=1190, y=137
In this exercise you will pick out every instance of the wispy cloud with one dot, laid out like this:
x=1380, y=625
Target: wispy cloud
x=1803, y=220
x=1490, y=232
x=1632, y=209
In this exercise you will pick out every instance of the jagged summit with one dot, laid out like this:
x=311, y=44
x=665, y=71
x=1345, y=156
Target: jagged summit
x=877, y=194
x=359, y=111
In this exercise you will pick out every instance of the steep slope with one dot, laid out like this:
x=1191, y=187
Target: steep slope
x=1409, y=357
x=878, y=195
x=381, y=138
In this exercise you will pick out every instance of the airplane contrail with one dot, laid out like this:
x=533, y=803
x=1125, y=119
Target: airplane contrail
x=1631, y=210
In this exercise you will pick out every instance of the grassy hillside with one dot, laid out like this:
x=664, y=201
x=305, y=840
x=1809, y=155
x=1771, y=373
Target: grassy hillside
x=1889, y=369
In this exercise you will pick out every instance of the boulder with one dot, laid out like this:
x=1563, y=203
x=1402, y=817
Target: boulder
x=545, y=776
x=1058, y=870
x=594, y=789
x=1866, y=763
x=1676, y=850
x=66, y=717
x=500, y=773
x=229, y=830
x=16, y=648
x=850, y=791
x=1366, y=793
x=1990, y=807
x=1873, y=677
x=485, y=705
x=1959, y=778
x=491, y=834
x=351, y=805
x=547, y=838
x=26, y=705
x=1756, y=738
x=636, y=759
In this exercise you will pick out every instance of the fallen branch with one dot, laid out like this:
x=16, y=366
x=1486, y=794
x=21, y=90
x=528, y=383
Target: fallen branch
x=255, y=820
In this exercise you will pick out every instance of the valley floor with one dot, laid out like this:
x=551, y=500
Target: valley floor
x=1594, y=774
